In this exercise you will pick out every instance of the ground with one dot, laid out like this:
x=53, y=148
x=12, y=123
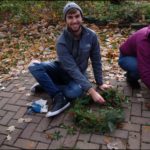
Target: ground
x=134, y=133
x=18, y=47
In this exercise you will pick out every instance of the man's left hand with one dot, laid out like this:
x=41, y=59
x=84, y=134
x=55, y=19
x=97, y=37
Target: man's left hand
x=104, y=87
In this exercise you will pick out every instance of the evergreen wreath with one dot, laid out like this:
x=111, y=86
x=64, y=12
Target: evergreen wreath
x=105, y=118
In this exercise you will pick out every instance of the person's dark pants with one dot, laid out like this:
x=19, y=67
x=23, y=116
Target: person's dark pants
x=53, y=79
x=129, y=64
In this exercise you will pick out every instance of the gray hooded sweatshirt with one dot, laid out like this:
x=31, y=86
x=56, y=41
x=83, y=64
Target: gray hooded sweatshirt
x=73, y=56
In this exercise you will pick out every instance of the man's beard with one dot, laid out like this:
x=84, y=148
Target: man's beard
x=74, y=31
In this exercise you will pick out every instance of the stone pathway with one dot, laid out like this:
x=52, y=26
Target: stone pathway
x=134, y=133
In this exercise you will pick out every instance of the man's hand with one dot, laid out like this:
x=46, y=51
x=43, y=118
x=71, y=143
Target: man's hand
x=104, y=87
x=96, y=96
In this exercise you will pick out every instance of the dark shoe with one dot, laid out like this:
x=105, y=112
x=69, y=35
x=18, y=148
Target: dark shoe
x=133, y=84
x=59, y=105
x=36, y=88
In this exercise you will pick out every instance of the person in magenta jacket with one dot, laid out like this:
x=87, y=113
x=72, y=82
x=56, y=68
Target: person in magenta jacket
x=135, y=57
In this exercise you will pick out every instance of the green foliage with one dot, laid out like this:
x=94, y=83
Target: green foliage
x=30, y=11
x=20, y=11
x=129, y=11
x=113, y=98
x=105, y=119
x=71, y=130
x=56, y=135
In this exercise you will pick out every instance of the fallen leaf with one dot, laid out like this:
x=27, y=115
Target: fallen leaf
x=146, y=128
x=139, y=95
x=49, y=136
x=20, y=120
x=11, y=128
x=21, y=89
x=8, y=138
x=107, y=140
x=118, y=144
x=27, y=119
x=28, y=94
x=147, y=105
x=2, y=88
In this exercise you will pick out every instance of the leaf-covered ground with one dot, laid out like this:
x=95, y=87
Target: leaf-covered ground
x=19, y=44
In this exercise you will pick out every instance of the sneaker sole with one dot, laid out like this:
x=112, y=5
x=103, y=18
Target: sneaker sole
x=50, y=114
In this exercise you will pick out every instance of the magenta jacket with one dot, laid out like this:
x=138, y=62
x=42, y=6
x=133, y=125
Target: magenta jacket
x=138, y=45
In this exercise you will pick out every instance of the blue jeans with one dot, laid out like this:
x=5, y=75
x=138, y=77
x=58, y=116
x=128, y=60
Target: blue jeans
x=129, y=64
x=53, y=79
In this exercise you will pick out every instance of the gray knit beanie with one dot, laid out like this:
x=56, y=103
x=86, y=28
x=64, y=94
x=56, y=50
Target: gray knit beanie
x=69, y=6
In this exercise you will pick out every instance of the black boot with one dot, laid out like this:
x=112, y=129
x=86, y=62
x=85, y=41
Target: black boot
x=132, y=82
x=36, y=88
x=60, y=103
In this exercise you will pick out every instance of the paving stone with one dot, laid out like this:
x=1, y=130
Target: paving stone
x=140, y=100
x=118, y=143
x=57, y=120
x=120, y=89
x=84, y=137
x=136, y=109
x=11, y=107
x=15, y=123
x=127, y=114
x=134, y=140
x=58, y=144
x=3, y=102
x=7, y=147
x=99, y=139
x=35, y=119
x=2, y=138
x=67, y=120
x=119, y=134
x=14, y=136
x=146, y=114
x=9, y=88
x=7, y=118
x=20, y=113
x=36, y=136
x=28, y=130
x=144, y=106
x=85, y=145
x=146, y=134
x=43, y=125
x=42, y=146
x=123, y=84
x=127, y=91
x=22, y=102
x=104, y=147
x=70, y=140
x=14, y=98
x=135, y=92
x=25, y=144
x=130, y=127
x=25, y=97
x=3, y=129
x=6, y=94
x=126, y=105
x=145, y=146
x=2, y=113
x=134, y=100
x=146, y=95
x=140, y=120
x=28, y=86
